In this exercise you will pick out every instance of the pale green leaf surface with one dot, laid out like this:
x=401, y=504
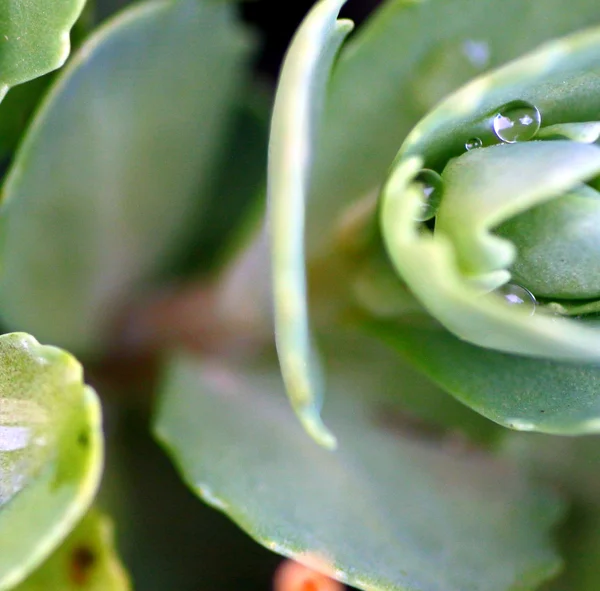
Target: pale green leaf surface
x=399, y=64
x=50, y=452
x=295, y=114
x=85, y=561
x=34, y=38
x=571, y=463
x=387, y=510
x=488, y=186
x=518, y=392
x=558, y=244
x=587, y=132
x=89, y=217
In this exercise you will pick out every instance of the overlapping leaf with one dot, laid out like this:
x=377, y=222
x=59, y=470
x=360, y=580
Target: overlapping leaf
x=90, y=215
x=50, y=452
x=389, y=510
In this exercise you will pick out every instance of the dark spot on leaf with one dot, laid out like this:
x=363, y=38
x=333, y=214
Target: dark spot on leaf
x=83, y=439
x=82, y=561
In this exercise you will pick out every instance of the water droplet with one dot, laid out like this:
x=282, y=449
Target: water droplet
x=431, y=185
x=473, y=143
x=515, y=295
x=517, y=122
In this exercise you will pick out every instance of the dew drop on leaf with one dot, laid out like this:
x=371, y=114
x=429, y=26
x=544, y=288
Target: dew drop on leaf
x=473, y=143
x=432, y=188
x=517, y=121
x=515, y=295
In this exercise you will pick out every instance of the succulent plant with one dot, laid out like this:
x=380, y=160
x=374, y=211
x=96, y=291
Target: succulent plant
x=424, y=285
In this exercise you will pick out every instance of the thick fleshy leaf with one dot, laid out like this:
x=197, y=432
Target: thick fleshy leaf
x=18, y=106
x=437, y=45
x=488, y=186
x=518, y=392
x=428, y=264
x=90, y=216
x=389, y=510
x=85, y=561
x=50, y=452
x=559, y=78
x=34, y=38
x=297, y=106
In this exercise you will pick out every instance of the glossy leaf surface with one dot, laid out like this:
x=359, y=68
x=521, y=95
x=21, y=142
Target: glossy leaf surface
x=90, y=216
x=34, y=38
x=85, y=561
x=390, y=509
x=518, y=392
x=50, y=452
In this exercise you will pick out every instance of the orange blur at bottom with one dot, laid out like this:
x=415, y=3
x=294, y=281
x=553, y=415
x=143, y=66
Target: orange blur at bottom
x=293, y=576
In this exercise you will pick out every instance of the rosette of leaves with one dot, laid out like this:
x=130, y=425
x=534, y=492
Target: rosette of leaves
x=457, y=226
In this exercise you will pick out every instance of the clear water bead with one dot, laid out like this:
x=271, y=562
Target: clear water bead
x=432, y=187
x=473, y=143
x=515, y=295
x=517, y=122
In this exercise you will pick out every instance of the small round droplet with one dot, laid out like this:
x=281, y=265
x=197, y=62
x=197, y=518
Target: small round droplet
x=432, y=187
x=517, y=122
x=473, y=143
x=515, y=295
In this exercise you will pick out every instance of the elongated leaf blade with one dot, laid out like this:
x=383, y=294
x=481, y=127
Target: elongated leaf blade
x=297, y=105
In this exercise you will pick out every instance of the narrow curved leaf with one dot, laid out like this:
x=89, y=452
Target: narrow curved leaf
x=90, y=216
x=85, y=561
x=389, y=510
x=50, y=452
x=297, y=105
x=34, y=38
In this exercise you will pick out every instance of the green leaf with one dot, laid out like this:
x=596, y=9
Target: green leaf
x=18, y=106
x=488, y=186
x=404, y=59
x=569, y=462
x=50, y=452
x=86, y=561
x=297, y=105
x=518, y=392
x=559, y=78
x=90, y=216
x=389, y=510
x=34, y=38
